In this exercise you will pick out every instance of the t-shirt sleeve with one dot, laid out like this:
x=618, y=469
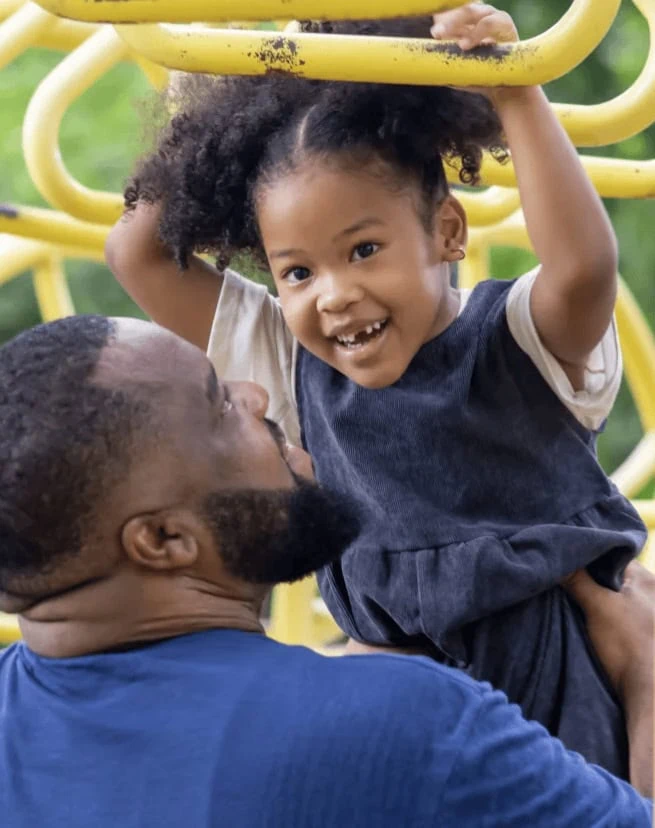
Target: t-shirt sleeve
x=602, y=377
x=250, y=340
x=511, y=772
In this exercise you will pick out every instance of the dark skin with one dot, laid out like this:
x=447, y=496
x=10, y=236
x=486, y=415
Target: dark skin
x=150, y=552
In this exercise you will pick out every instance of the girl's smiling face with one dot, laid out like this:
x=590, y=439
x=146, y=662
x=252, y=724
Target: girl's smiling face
x=363, y=282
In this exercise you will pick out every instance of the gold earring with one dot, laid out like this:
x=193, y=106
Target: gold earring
x=461, y=254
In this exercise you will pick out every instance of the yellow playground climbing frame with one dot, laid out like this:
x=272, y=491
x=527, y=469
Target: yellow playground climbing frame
x=164, y=35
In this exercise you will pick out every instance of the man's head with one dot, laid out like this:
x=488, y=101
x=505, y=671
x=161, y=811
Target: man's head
x=123, y=458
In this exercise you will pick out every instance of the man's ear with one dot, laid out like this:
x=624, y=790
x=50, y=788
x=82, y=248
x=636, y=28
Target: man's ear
x=451, y=229
x=163, y=540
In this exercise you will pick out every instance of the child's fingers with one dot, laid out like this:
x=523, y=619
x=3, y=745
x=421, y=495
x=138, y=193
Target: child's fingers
x=494, y=28
x=454, y=22
x=474, y=25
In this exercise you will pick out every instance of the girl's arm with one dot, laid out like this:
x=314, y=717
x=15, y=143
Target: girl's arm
x=182, y=302
x=573, y=297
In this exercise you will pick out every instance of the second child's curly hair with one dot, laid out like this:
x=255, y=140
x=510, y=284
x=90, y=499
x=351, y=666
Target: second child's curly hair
x=231, y=136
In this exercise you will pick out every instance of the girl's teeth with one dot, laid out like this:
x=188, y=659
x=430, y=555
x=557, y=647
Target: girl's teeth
x=351, y=339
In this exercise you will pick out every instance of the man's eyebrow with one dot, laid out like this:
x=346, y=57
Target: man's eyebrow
x=211, y=388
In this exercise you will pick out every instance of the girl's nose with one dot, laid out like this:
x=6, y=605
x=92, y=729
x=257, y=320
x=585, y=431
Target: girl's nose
x=337, y=294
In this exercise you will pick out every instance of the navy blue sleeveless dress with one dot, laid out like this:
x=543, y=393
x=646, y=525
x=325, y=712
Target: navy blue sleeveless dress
x=478, y=492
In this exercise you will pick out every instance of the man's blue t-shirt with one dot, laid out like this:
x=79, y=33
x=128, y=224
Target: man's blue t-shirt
x=231, y=729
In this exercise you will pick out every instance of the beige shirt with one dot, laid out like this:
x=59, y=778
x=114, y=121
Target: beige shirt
x=250, y=341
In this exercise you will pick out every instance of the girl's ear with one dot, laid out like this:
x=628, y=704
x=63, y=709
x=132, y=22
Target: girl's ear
x=452, y=230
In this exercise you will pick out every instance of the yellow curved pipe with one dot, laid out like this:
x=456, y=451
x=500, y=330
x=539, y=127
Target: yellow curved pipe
x=606, y=123
x=51, y=289
x=624, y=116
x=588, y=126
x=490, y=206
x=373, y=59
x=639, y=342
x=475, y=267
x=21, y=30
x=18, y=255
x=174, y=11
x=9, y=630
x=646, y=509
x=51, y=226
x=612, y=177
x=73, y=76
x=638, y=468
x=65, y=35
x=8, y=7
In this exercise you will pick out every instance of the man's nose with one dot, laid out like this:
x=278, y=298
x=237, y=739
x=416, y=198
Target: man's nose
x=337, y=292
x=250, y=397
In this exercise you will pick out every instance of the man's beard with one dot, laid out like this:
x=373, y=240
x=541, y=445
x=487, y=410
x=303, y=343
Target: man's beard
x=280, y=535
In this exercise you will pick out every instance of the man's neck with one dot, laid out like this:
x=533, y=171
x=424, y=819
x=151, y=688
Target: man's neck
x=126, y=610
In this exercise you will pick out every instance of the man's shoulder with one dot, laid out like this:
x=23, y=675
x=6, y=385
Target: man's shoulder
x=396, y=723
x=396, y=686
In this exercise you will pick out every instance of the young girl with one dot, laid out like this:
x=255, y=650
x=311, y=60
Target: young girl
x=463, y=424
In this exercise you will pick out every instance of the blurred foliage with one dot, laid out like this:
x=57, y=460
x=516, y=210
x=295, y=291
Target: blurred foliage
x=101, y=135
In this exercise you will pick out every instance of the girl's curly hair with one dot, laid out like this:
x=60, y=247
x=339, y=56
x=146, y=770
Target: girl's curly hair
x=232, y=135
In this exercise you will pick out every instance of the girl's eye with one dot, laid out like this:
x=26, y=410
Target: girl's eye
x=296, y=274
x=363, y=251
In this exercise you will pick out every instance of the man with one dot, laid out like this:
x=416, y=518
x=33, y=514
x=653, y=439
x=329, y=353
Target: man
x=145, y=509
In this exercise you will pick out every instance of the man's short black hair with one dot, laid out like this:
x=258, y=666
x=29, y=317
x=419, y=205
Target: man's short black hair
x=64, y=441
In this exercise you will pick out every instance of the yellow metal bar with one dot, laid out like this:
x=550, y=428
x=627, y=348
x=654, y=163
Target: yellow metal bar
x=648, y=554
x=511, y=232
x=291, y=612
x=638, y=344
x=9, y=630
x=8, y=7
x=73, y=76
x=612, y=177
x=51, y=290
x=174, y=11
x=638, y=468
x=475, y=267
x=601, y=124
x=156, y=74
x=18, y=255
x=624, y=116
x=646, y=509
x=489, y=207
x=374, y=59
x=22, y=30
x=65, y=35
x=49, y=225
